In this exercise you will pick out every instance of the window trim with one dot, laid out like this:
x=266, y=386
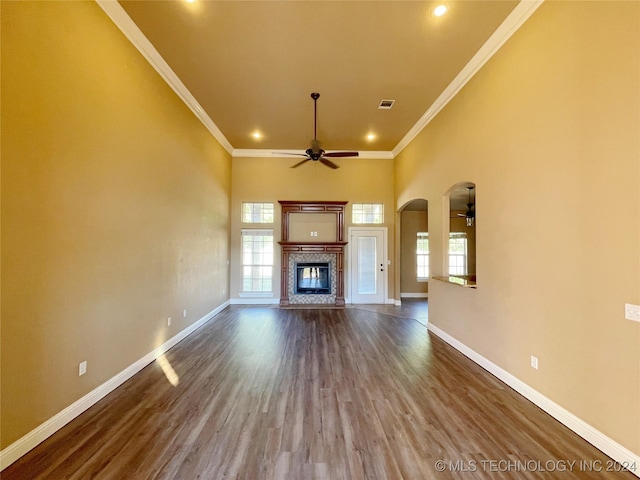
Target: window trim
x=266, y=232
x=425, y=235
x=364, y=214
x=465, y=255
x=262, y=220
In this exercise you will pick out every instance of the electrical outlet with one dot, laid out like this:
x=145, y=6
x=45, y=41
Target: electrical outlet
x=632, y=312
x=534, y=362
x=184, y=313
x=82, y=368
x=169, y=322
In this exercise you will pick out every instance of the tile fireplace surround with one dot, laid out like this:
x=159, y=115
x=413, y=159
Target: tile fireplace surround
x=295, y=251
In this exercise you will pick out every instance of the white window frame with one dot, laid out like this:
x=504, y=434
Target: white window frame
x=424, y=256
x=257, y=266
x=257, y=212
x=459, y=265
x=367, y=213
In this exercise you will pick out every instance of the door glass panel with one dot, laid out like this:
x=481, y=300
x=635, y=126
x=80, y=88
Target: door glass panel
x=366, y=265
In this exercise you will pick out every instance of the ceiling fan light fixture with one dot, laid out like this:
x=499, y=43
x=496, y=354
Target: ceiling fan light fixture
x=470, y=216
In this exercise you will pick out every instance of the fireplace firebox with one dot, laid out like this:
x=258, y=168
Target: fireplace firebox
x=312, y=278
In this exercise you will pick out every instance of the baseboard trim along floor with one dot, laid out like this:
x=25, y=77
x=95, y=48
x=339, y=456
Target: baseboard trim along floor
x=596, y=438
x=39, y=434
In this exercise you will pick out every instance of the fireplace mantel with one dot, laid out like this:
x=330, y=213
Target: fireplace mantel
x=296, y=247
x=312, y=244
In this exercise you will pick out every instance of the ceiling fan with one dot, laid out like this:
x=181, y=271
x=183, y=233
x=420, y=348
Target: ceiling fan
x=470, y=214
x=315, y=153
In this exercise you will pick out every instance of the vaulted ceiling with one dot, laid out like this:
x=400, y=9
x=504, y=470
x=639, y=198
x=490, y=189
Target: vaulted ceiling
x=252, y=65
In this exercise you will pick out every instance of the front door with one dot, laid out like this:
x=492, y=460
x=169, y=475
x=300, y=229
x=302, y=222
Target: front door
x=367, y=264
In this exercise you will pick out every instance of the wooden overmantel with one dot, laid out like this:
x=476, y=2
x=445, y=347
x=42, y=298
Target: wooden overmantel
x=289, y=247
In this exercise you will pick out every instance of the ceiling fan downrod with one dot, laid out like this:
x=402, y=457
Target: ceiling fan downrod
x=315, y=97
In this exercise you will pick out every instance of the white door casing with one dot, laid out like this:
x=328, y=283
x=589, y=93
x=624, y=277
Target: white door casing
x=368, y=264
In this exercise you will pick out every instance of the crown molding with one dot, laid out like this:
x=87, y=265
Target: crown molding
x=122, y=20
x=511, y=24
x=265, y=153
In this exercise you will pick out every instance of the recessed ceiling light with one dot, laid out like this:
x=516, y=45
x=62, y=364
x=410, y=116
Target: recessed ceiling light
x=440, y=10
x=371, y=137
x=256, y=135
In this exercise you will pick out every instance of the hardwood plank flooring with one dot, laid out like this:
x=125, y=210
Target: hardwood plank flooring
x=359, y=393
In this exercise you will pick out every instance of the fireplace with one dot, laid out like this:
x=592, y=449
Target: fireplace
x=312, y=278
x=317, y=276
x=319, y=281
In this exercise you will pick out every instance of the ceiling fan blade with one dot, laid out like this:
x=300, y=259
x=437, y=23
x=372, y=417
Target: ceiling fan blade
x=328, y=163
x=300, y=163
x=289, y=153
x=341, y=154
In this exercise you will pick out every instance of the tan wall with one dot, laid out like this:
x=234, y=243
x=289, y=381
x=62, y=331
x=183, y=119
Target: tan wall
x=301, y=225
x=115, y=209
x=548, y=131
x=357, y=180
x=411, y=223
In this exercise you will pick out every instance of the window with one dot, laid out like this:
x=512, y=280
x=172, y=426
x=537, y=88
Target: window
x=367, y=213
x=257, y=260
x=457, y=253
x=422, y=256
x=257, y=212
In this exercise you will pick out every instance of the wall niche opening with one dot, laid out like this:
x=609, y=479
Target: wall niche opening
x=460, y=260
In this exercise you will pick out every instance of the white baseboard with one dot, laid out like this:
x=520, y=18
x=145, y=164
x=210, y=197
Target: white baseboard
x=598, y=439
x=388, y=301
x=255, y=301
x=39, y=434
x=414, y=295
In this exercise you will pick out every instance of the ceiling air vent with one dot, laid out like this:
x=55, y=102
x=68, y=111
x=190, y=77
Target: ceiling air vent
x=386, y=104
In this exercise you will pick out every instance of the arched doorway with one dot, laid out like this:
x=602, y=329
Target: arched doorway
x=414, y=249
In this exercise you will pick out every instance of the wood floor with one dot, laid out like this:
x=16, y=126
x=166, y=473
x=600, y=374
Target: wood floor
x=267, y=393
